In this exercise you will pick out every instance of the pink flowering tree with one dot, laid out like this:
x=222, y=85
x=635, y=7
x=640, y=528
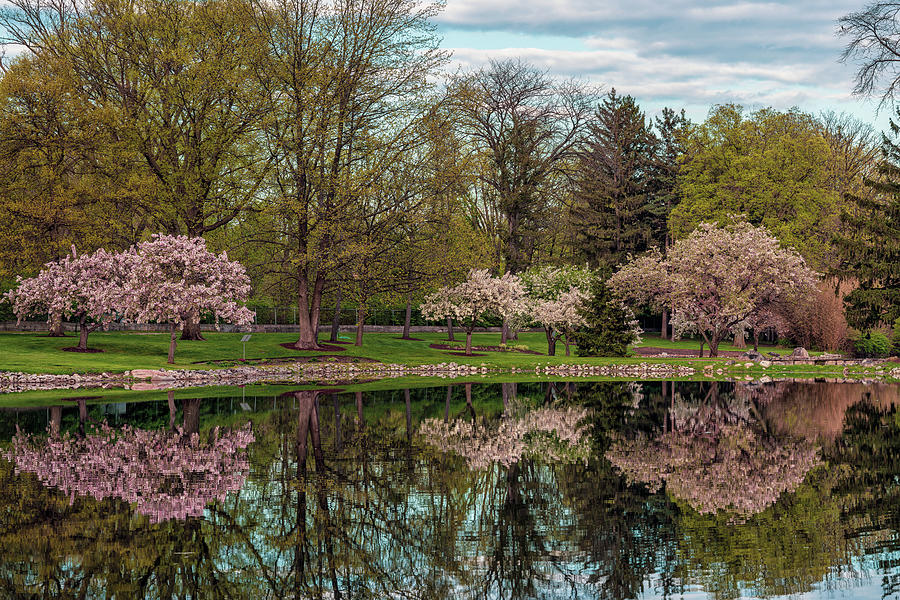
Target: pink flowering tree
x=175, y=278
x=86, y=288
x=717, y=279
x=556, y=300
x=479, y=295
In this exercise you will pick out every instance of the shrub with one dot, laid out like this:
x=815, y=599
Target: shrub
x=611, y=326
x=895, y=338
x=871, y=344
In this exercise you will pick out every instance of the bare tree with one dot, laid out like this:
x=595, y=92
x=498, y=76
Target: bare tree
x=874, y=43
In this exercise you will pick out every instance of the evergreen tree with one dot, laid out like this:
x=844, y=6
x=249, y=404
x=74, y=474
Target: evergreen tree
x=611, y=326
x=611, y=215
x=672, y=130
x=870, y=245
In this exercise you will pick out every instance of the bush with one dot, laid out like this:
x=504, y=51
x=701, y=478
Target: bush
x=871, y=344
x=610, y=328
x=895, y=338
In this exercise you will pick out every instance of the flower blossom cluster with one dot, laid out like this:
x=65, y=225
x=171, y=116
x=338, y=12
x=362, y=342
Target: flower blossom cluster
x=164, y=475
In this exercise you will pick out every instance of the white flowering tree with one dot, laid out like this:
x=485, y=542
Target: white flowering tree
x=174, y=279
x=479, y=295
x=556, y=300
x=86, y=288
x=717, y=278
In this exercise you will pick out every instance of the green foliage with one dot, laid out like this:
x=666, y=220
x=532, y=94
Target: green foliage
x=770, y=166
x=870, y=248
x=871, y=344
x=895, y=337
x=610, y=325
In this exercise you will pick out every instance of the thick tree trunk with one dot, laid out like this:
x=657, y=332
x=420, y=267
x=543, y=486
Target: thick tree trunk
x=360, y=421
x=468, y=342
x=714, y=346
x=360, y=322
x=336, y=319
x=740, y=340
x=83, y=331
x=308, y=305
x=701, y=347
x=504, y=332
x=56, y=327
x=190, y=421
x=172, y=329
x=170, y=398
x=190, y=330
x=407, y=320
x=55, y=420
x=756, y=339
x=664, y=327
x=568, y=350
x=450, y=329
x=551, y=341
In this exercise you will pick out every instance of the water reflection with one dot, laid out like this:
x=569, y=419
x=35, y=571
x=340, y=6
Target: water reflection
x=356, y=496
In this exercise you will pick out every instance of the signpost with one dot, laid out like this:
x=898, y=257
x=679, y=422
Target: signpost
x=244, y=341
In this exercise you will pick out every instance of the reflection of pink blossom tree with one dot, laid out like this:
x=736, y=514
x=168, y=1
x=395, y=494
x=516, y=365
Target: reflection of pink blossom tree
x=164, y=476
x=87, y=288
x=555, y=434
x=715, y=459
x=175, y=278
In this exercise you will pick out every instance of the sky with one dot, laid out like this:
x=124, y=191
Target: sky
x=689, y=54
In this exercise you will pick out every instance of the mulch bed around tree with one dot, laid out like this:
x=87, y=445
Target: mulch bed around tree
x=321, y=348
x=653, y=351
x=481, y=349
x=464, y=354
x=85, y=350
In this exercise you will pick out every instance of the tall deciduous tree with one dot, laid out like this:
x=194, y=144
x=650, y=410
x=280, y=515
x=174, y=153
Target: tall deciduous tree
x=873, y=41
x=717, y=278
x=525, y=127
x=869, y=246
x=340, y=85
x=612, y=214
x=771, y=167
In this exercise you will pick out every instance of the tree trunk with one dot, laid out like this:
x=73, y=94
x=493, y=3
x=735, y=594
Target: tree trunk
x=190, y=416
x=408, y=401
x=360, y=322
x=359, y=410
x=756, y=339
x=701, y=347
x=450, y=329
x=468, y=342
x=336, y=319
x=190, y=330
x=172, y=329
x=407, y=320
x=170, y=398
x=83, y=332
x=55, y=421
x=551, y=341
x=56, y=327
x=714, y=346
x=568, y=353
x=504, y=332
x=308, y=305
x=447, y=403
x=664, y=328
x=740, y=340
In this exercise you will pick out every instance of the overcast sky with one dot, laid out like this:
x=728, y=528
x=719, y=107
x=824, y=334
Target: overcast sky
x=681, y=53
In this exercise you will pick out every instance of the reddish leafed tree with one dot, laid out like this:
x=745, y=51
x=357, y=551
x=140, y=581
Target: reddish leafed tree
x=175, y=279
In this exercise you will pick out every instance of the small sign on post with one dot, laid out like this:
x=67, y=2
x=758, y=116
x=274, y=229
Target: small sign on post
x=244, y=341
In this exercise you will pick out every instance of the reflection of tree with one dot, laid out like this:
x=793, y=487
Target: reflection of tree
x=163, y=476
x=550, y=433
x=716, y=458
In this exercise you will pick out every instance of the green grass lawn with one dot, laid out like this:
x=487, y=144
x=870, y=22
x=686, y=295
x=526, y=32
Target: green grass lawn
x=123, y=351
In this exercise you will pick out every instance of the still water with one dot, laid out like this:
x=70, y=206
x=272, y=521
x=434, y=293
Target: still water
x=528, y=490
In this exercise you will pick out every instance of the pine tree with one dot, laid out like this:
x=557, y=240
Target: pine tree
x=612, y=208
x=870, y=246
x=610, y=328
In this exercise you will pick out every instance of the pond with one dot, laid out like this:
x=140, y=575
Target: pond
x=482, y=491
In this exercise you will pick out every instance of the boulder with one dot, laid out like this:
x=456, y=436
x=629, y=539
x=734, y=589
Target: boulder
x=752, y=355
x=799, y=352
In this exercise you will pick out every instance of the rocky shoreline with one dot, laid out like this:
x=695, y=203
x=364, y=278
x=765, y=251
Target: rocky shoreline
x=346, y=373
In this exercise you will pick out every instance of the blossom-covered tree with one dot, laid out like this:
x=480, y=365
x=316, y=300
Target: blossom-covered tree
x=480, y=294
x=556, y=298
x=86, y=288
x=175, y=278
x=717, y=278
